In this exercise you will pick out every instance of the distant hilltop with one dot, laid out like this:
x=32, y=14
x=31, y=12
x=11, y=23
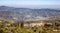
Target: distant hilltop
x=12, y=13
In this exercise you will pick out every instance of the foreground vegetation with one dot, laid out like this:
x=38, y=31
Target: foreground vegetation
x=11, y=27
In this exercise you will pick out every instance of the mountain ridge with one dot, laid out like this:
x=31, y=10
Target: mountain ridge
x=12, y=13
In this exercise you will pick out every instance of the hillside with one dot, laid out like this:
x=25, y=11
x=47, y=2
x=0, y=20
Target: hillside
x=11, y=13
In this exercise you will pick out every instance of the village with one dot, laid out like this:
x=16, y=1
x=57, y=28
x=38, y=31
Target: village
x=37, y=24
x=41, y=23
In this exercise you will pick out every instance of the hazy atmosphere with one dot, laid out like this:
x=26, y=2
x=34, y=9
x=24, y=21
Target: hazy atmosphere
x=29, y=16
x=31, y=3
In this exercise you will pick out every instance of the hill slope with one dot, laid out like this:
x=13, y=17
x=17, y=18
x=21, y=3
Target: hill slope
x=11, y=13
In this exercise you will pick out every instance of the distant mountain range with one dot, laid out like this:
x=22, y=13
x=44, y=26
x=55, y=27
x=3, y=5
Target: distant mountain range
x=11, y=13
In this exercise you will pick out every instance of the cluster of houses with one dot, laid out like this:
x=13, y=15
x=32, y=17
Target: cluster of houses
x=37, y=24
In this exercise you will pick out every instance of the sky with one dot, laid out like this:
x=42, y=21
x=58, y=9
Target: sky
x=31, y=3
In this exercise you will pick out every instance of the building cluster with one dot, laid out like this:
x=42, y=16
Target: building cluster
x=37, y=24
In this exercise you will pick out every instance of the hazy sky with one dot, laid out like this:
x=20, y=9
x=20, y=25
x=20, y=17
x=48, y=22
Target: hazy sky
x=32, y=3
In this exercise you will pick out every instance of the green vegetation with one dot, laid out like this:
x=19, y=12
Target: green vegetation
x=11, y=27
